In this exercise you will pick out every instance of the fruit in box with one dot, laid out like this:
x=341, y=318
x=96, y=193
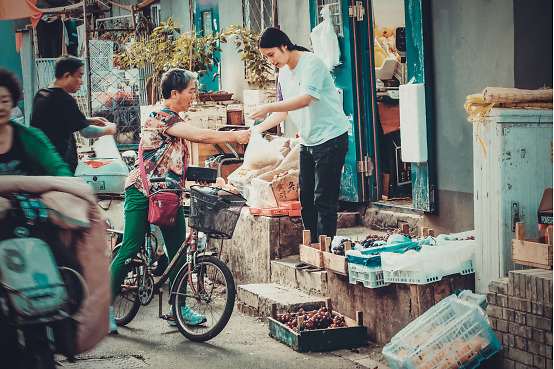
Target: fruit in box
x=316, y=319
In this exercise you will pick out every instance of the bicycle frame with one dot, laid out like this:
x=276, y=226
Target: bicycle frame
x=189, y=246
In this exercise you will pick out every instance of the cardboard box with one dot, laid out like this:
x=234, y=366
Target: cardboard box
x=545, y=207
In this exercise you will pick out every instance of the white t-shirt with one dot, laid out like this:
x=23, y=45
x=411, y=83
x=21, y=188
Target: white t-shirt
x=324, y=118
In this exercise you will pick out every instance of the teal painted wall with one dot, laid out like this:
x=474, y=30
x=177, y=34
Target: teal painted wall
x=211, y=82
x=9, y=57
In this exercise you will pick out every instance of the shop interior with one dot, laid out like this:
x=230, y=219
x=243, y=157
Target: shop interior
x=390, y=73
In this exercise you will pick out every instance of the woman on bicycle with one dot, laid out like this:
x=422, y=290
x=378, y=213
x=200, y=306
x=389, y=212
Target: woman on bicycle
x=164, y=141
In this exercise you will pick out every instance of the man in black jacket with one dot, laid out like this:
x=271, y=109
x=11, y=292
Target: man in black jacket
x=57, y=114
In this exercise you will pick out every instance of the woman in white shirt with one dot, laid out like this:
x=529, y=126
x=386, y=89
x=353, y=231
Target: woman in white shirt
x=308, y=95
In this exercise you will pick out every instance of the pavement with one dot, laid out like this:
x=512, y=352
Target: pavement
x=149, y=342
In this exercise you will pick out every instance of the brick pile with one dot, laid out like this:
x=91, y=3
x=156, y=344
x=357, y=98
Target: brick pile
x=520, y=314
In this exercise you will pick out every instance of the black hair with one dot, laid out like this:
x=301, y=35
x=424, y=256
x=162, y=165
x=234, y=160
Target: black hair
x=67, y=64
x=10, y=81
x=176, y=79
x=274, y=37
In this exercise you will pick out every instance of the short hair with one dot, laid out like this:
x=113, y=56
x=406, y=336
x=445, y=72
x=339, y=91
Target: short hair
x=176, y=79
x=67, y=64
x=10, y=81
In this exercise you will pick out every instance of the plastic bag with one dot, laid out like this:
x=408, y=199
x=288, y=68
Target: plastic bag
x=261, y=195
x=324, y=40
x=260, y=153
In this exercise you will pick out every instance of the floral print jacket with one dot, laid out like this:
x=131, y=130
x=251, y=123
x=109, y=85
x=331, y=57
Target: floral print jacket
x=164, y=155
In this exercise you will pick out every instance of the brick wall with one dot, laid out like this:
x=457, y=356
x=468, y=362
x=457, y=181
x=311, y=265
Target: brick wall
x=520, y=314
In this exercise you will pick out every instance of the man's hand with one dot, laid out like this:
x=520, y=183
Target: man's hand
x=110, y=128
x=98, y=121
x=242, y=137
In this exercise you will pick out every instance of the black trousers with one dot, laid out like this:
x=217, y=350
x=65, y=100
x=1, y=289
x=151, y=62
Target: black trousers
x=319, y=181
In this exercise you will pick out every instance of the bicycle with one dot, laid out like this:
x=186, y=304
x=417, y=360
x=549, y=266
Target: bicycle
x=204, y=283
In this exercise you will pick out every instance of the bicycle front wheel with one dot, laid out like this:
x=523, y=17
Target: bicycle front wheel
x=203, y=299
x=127, y=303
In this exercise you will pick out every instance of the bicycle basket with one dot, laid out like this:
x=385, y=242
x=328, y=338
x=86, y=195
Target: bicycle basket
x=214, y=214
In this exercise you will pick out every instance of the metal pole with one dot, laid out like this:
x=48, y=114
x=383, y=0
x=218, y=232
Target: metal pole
x=87, y=59
x=275, y=14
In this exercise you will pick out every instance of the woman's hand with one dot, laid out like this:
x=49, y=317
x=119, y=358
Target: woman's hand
x=259, y=112
x=242, y=137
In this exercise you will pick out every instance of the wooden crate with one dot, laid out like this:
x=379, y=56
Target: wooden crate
x=333, y=262
x=530, y=251
x=319, y=255
x=311, y=254
x=355, y=335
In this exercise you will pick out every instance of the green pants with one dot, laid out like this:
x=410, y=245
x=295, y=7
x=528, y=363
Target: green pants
x=136, y=225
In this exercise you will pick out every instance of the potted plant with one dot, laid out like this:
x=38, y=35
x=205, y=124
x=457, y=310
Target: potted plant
x=259, y=73
x=165, y=48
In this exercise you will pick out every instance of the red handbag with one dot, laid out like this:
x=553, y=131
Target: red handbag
x=162, y=206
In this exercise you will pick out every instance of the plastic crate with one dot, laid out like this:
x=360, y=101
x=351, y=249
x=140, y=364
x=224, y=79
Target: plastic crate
x=425, y=273
x=370, y=277
x=452, y=334
x=428, y=265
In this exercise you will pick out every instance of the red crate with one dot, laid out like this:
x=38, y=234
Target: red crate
x=272, y=212
x=292, y=205
x=294, y=213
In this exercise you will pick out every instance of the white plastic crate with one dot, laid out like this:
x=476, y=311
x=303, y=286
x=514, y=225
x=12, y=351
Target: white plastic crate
x=452, y=334
x=369, y=277
x=430, y=264
x=428, y=272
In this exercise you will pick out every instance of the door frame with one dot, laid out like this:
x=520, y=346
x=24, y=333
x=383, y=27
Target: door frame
x=419, y=66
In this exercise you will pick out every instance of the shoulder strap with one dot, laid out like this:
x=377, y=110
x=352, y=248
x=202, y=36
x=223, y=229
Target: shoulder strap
x=143, y=171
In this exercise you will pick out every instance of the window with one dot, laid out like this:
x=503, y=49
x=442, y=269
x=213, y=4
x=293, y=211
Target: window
x=336, y=13
x=258, y=14
x=155, y=14
x=207, y=27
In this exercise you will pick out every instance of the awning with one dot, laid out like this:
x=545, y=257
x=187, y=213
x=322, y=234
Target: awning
x=16, y=9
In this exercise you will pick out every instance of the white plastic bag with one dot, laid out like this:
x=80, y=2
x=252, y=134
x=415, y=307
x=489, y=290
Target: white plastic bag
x=260, y=153
x=261, y=195
x=324, y=40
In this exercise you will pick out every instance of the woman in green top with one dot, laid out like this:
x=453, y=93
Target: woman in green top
x=24, y=150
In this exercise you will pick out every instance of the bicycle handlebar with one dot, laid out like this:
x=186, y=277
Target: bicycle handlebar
x=180, y=188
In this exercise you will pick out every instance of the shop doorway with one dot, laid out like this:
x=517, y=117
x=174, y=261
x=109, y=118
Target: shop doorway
x=389, y=50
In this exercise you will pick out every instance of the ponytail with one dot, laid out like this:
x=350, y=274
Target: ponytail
x=273, y=37
x=299, y=48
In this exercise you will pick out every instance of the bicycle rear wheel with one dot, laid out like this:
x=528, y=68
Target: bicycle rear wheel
x=209, y=290
x=127, y=303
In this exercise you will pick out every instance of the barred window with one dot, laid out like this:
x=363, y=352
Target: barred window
x=336, y=13
x=258, y=14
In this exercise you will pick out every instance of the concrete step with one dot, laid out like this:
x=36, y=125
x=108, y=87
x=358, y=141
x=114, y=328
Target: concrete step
x=256, y=299
x=347, y=219
x=291, y=272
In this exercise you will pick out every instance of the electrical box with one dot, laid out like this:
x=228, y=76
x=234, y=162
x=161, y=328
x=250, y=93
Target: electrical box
x=512, y=168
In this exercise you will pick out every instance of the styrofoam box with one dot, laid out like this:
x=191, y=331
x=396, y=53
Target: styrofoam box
x=369, y=277
x=452, y=334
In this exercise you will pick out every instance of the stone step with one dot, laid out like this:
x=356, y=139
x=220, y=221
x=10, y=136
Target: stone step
x=256, y=299
x=291, y=272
